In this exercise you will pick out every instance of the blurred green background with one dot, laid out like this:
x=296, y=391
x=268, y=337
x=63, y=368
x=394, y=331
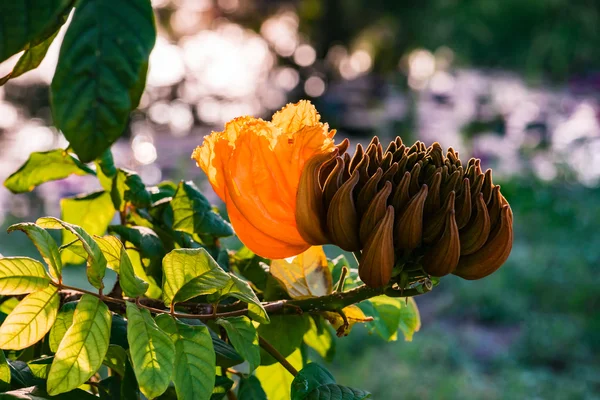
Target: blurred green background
x=515, y=83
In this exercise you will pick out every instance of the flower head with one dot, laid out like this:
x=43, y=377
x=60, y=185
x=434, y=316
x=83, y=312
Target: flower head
x=254, y=166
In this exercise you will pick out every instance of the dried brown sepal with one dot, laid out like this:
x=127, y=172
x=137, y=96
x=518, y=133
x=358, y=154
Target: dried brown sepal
x=333, y=181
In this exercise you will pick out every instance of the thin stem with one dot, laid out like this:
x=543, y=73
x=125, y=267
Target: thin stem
x=277, y=355
x=340, y=285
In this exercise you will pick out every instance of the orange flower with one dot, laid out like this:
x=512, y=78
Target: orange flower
x=254, y=166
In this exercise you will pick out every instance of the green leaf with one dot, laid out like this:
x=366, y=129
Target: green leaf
x=83, y=347
x=101, y=64
x=222, y=386
x=316, y=383
x=22, y=275
x=243, y=336
x=194, y=359
x=44, y=243
x=285, y=333
x=250, y=389
x=127, y=187
x=144, y=239
x=192, y=213
x=42, y=167
x=23, y=22
x=276, y=381
x=320, y=338
x=241, y=290
x=30, y=59
x=337, y=392
x=31, y=319
x=188, y=273
x=105, y=169
x=40, y=368
x=252, y=267
x=115, y=359
x=152, y=352
x=410, y=320
x=309, y=378
x=63, y=322
x=96, y=263
x=118, y=260
x=226, y=354
x=118, y=331
x=4, y=373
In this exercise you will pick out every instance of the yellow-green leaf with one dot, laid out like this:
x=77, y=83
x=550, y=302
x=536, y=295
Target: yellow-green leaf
x=410, y=319
x=31, y=319
x=21, y=275
x=45, y=245
x=320, y=338
x=30, y=59
x=92, y=212
x=152, y=352
x=63, y=322
x=96, y=263
x=242, y=334
x=189, y=273
x=83, y=347
x=44, y=167
x=4, y=373
x=194, y=375
x=306, y=275
x=276, y=381
x=240, y=289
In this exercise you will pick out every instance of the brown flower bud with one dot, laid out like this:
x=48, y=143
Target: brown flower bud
x=411, y=203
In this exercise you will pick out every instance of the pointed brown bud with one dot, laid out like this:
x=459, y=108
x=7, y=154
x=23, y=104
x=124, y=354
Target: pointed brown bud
x=476, y=233
x=494, y=252
x=408, y=229
x=368, y=191
x=463, y=205
x=488, y=186
x=357, y=158
x=377, y=260
x=374, y=212
x=442, y=258
x=342, y=218
x=414, y=186
x=333, y=181
x=401, y=195
x=310, y=212
x=433, y=226
x=432, y=204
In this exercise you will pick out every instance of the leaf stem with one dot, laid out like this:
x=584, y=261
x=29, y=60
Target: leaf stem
x=277, y=355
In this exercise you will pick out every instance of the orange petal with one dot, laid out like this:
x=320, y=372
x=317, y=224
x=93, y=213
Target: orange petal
x=257, y=241
x=293, y=117
x=215, y=152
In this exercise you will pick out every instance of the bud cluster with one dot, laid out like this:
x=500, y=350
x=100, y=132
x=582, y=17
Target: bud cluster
x=405, y=203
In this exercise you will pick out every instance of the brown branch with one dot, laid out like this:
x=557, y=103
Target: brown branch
x=331, y=302
x=277, y=355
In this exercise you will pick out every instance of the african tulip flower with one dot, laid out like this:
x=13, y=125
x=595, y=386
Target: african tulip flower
x=414, y=210
x=254, y=166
